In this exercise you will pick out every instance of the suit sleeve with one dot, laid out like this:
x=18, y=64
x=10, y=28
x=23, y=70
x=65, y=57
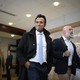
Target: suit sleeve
x=20, y=50
x=77, y=57
x=58, y=49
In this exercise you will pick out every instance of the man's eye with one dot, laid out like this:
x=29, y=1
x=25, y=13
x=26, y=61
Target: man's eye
x=41, y=22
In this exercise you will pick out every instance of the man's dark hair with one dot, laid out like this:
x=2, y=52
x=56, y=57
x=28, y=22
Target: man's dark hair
x=41, y=16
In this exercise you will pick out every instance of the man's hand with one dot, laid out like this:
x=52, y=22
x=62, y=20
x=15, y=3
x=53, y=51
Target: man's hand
x=27, y=64
x=9, y=67
x=66, y=53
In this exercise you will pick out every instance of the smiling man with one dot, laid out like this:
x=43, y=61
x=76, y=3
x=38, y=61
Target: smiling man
x=34, y=52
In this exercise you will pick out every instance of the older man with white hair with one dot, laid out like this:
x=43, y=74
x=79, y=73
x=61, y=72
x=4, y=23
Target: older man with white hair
x=66, y=55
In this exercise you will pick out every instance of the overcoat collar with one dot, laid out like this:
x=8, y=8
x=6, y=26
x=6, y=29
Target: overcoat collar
x=32, y=31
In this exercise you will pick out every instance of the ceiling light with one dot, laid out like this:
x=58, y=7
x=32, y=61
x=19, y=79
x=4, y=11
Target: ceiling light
x=56, y=3
x=28, y=15
x=12, y=35
x=10, y=23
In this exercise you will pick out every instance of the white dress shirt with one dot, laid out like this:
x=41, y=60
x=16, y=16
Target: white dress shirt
x=35, y=59
x=71, y=49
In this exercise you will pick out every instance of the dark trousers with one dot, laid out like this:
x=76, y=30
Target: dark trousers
x=8, y=73
x=37, y=71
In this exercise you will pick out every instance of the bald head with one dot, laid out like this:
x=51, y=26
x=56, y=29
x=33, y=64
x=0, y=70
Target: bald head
x=68, y=32
x=66, y=28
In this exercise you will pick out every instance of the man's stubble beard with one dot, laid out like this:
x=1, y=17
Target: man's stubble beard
x=69, y=35
x=39, y=29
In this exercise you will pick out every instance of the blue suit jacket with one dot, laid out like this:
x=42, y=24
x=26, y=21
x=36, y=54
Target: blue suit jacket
x=61, y=65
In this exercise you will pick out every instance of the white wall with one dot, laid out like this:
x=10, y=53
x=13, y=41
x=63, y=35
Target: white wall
x=64, y=19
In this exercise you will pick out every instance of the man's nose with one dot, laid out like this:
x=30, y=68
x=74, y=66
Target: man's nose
x=38, y=24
